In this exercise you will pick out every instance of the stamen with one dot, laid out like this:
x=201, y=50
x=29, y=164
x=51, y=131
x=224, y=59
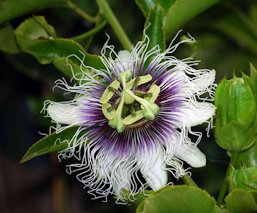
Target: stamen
x=154, y=91
x=107, y=95
x=109, y=114
x=136, y=82
x=115, y=91
x=141, y=93
x=129, y=102
x=133, y=118
x=116, y=122
x=141, y=80
x=142, y=122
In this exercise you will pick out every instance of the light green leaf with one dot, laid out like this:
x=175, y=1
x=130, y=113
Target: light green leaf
x=11, y=9
x=239, y=201
x=50, y=143
x=182, y=199
x=7, y=39
x=32, y=29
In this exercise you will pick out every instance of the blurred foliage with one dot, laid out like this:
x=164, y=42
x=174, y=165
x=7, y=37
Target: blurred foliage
x=37, y=36
x=226, y=42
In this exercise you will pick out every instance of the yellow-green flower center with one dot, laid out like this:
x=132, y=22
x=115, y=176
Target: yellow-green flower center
x=132, y=105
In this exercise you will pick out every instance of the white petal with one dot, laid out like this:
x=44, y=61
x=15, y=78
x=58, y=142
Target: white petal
x=63, y=113
x=152, y=167
x=193, y=114
x=192, y=155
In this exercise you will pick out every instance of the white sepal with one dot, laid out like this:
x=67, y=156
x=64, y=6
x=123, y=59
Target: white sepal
x=63, y=113
x=203, y=81
x=192, y=155
x=152, y=167
x=193, y=114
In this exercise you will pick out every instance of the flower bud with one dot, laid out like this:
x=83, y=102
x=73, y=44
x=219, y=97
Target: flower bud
x=252, y=80
x=244, y=178
x=236, y=107
x=248, y=157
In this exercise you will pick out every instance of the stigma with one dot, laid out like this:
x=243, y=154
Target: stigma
x=124, y=105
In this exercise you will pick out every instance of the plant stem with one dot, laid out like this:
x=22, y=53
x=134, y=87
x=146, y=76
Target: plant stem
x=81, y=12
x=188, y=180
x=110, y=17
x=89, y=33
x=224, y=187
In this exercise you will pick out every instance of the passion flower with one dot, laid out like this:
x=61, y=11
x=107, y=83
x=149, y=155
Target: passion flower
x=134, y=117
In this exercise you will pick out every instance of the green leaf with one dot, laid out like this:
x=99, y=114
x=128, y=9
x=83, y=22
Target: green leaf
x=51, y=143
x=146, y=6
x=11, y=9
x=68, y=67
x=140, y=197
x=155, y=30
x=37, y=38
x=7, y=39
x=239, y=201
x=176, y=12
x=182, y=11
x=71, y=67
x=46, y=50
x=32, y=29
x=182, y=199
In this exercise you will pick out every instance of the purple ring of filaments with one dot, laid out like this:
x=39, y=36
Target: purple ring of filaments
x=145, y=137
